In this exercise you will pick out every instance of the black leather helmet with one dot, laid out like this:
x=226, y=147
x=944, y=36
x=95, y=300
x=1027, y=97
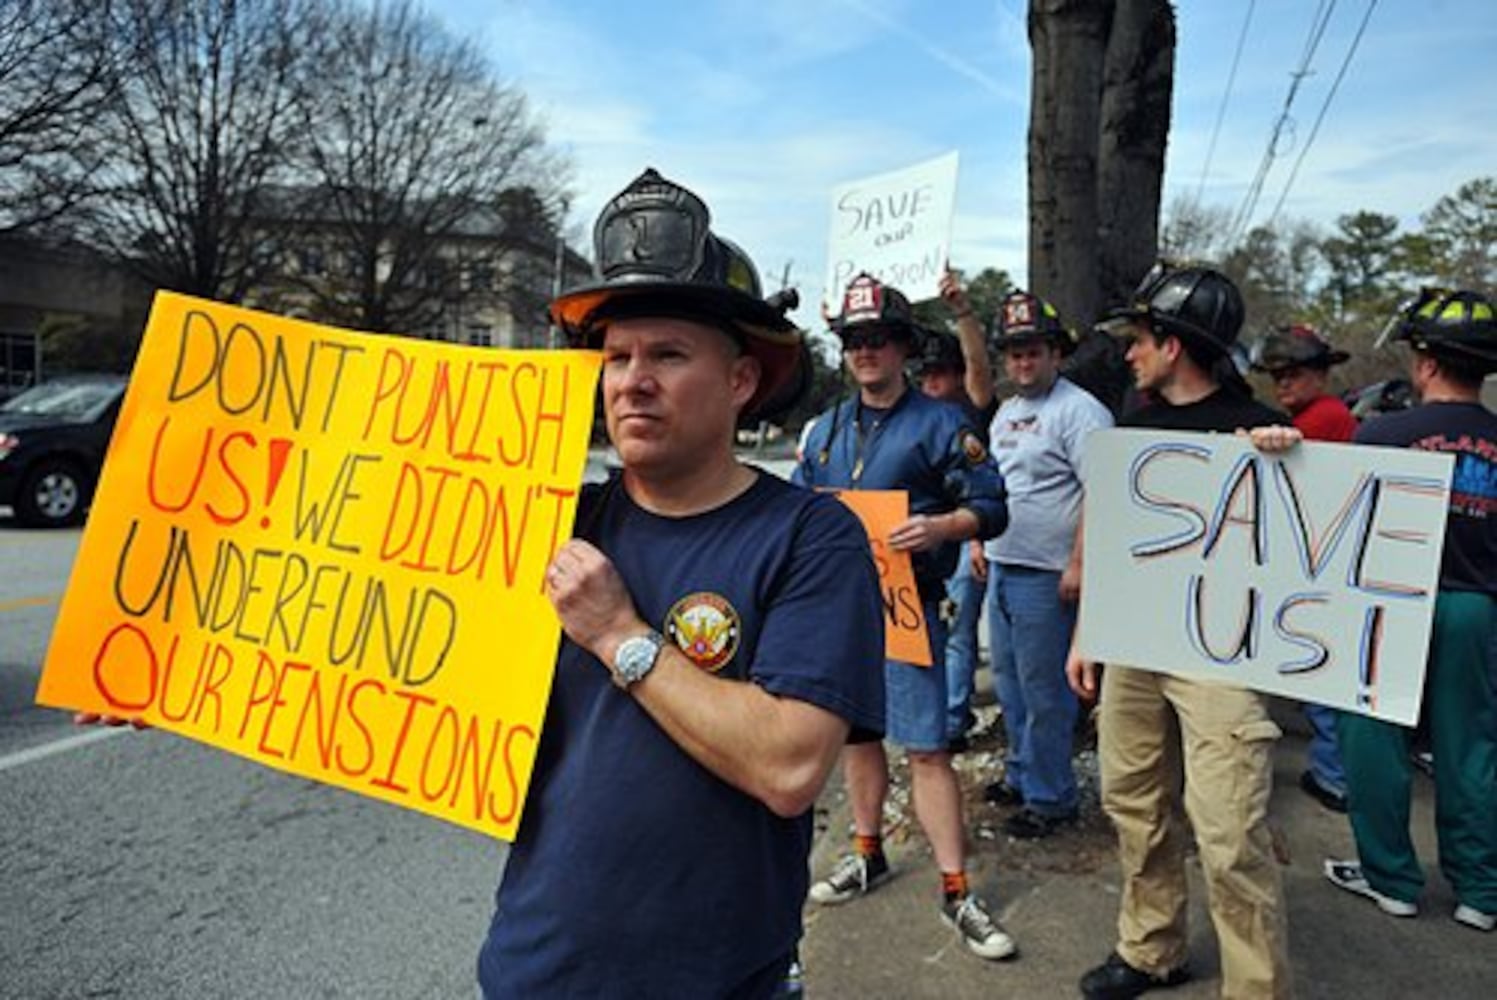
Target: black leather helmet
x=1461, y=326
x=868, y=303
x=1198, y=304
x=1023, y=317
x=1298, y=345
x=657, y=256
x=941, y=352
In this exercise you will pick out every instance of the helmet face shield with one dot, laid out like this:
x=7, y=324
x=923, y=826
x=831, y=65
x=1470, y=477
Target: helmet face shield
x=1396, y=327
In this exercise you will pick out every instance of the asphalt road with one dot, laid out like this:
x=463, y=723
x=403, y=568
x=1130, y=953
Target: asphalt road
x=145, y=865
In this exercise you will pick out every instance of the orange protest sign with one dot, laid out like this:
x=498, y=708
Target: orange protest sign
x=881, y=511
x=323, y=550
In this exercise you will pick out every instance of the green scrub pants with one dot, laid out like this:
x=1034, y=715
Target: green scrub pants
x=1462, y=707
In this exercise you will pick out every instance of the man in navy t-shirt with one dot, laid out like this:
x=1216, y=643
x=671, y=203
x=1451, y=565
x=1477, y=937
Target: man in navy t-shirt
x=1452, y=338
x=698, y=705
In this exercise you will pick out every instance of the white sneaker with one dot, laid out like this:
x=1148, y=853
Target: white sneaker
x=982, y=934
x=1474, y=918
x=1348, y=875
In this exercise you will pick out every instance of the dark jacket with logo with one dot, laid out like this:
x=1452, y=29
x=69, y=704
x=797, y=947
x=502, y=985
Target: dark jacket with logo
x=923, y=446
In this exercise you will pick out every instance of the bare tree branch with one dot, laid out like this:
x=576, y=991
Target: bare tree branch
x=201, y=130
x=412, y=146
x=56, y=74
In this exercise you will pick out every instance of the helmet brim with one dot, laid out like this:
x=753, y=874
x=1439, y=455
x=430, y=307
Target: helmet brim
x=1270, y=366
x=1063, y=342
x=763, y=331
x=1114, y=319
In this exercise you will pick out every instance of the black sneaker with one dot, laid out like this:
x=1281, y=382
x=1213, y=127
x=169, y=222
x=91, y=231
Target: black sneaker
x=983, y=936
x=853, y=876
x=1115, y=979
x=1001, y=793
x=1334, y=801
x=1026, y=824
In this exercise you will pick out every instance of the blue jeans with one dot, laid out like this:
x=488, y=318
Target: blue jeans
x=961, y=645
x=1324, y=753
x=1030, y=635
x=915, y=697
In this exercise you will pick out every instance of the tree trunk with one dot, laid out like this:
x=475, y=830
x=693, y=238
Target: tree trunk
x=1137, y=84
x=1068, y=39
x=1099, y=120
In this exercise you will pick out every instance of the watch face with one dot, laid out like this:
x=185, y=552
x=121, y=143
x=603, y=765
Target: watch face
x=636, y=656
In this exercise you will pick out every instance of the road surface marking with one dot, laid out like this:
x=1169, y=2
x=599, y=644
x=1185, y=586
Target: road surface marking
x=29, y=602
x=68, y=743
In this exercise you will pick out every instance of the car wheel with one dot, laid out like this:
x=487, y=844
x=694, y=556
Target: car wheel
x=54, y=495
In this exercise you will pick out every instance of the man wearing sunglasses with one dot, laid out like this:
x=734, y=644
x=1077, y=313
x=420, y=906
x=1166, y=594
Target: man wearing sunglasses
x=698, y=704
x=889, y=436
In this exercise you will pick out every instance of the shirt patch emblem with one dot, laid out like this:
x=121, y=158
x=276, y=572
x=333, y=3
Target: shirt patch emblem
x=1030, y=424
x=705, y=627
x=972, y=447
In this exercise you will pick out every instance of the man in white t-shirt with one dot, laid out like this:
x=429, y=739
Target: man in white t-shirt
x=1033, y=569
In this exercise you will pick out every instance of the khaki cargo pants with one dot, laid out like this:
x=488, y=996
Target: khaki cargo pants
x=1151, y=724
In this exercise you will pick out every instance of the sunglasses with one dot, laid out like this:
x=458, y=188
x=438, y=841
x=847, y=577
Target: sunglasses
x=873, y=340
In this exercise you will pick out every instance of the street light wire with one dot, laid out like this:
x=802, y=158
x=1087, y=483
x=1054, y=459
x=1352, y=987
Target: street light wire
x=1271, y=152
x=1221, y=111
x=1324, y=107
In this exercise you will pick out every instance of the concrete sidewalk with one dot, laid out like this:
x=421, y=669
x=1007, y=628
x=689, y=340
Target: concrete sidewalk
x=1059, y=898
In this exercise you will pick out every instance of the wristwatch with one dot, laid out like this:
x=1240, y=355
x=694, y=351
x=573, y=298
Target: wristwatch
x=636, y=657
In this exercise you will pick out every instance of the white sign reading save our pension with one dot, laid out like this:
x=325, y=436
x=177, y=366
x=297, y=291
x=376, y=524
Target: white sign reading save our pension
x=896, y=226
x=1309, y=574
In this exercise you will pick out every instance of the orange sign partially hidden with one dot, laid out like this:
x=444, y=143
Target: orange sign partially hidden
x=881, y=511
x=323, y=551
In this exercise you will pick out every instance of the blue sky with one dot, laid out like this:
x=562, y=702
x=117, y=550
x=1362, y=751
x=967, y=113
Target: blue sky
x=763, y=106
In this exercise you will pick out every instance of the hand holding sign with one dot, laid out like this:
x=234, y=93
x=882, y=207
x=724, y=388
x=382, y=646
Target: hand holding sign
x=882, y=513
x=595, y=608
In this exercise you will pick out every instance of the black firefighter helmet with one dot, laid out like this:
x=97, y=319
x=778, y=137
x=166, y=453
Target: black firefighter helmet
x=1023, y=317
x=868, y=304
x=656, y=255
x=941, y=352
x=1297, y=345
x=1459, y=326
x=1200, y=305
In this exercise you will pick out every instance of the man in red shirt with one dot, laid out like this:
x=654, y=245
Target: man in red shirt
x=1299, y=361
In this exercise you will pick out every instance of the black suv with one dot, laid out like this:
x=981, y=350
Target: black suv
x=52, y=442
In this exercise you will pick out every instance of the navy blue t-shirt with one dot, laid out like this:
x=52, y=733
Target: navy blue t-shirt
x=636, y=872
x=1469, y=432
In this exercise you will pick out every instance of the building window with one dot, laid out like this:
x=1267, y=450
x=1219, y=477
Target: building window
x=309, y=261
x=481, y=335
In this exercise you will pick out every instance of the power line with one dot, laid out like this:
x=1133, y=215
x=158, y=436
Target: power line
x=1271, y=151
x=1324, y=107
x=1221, y=110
